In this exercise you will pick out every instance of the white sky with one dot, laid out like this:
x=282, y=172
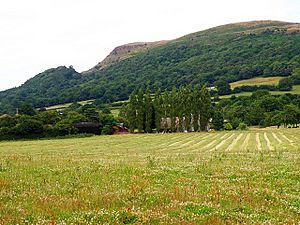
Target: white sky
x=40, y=34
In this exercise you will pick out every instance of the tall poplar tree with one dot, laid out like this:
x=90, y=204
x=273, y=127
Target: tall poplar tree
x=158, y=109
x=140, y=117
x=131, y=112
x=205, y=109
x=148, y=111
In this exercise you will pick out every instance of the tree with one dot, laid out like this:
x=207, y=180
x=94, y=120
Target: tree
x=131, y=112
x=148, y=111
x=285, y=84
x=290, y=114
x=140, y=112
x=205, y=109
x=223, y=87
x=158, y=101
x=27, y=109
x=218, y=120
x=27, y=125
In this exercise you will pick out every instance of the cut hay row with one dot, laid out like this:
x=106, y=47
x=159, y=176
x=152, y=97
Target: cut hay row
x=219, y=145
x=276, y=137
x=270, y=147
x=289, y=140
x=235, y=141
x=258, y=144
x=246, y=142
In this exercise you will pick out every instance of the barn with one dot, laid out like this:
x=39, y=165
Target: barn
x=88, y=127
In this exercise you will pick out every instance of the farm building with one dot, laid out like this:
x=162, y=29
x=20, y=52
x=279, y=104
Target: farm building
x=88, y=127
x=120, y=129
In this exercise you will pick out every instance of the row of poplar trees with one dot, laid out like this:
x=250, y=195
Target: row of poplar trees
x=185, y=109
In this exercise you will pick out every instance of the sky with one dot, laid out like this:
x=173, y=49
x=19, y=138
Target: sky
x=40, y=34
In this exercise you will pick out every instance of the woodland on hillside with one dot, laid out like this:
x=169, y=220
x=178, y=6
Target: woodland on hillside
x=229, y=53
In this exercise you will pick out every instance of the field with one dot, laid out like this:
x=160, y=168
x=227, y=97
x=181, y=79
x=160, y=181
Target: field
x=295, y=91
x=257, y=81
x=186, y=178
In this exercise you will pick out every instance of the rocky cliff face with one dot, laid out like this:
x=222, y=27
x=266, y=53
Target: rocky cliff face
x=124, y=52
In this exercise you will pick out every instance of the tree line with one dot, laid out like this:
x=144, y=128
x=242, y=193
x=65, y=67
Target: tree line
x=38, y=123
x=187, y=108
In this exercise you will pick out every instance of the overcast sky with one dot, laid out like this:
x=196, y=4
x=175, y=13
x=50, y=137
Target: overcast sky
x=40, y=34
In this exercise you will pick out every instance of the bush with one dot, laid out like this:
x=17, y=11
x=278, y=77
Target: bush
x=107, y=130
x=242, y=126
x=228, y=126
x=27, y=126
x=235, y=122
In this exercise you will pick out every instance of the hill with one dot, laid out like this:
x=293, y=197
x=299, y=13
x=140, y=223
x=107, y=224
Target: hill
x=232, y=52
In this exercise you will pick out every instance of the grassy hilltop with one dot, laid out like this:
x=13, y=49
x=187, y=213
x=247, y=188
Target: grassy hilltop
x=212, y=178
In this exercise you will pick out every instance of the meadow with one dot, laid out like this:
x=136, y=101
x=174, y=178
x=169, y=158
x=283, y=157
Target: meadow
x=184, y=178
x=257, y=81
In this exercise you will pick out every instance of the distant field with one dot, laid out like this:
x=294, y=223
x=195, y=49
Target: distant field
x=250, y=177
x=63, y=106
x=295, y=91
x=257, y=81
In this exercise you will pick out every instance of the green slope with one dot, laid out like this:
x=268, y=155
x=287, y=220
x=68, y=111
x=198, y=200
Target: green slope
x=233, y=52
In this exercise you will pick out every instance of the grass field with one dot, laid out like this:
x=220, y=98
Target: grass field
x=257, y=81
x=295, y=91
x=186, y=178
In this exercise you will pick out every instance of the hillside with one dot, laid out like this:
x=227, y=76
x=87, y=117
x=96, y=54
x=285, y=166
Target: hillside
x=123, y=52
x=232, y=52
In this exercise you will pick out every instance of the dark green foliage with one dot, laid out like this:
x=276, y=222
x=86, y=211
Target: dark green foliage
x=140, y=111
x=7, y=121
x=255, y=88
x=218, y=120
x=223, y=87
x=27, y=125
x=131, y=112
x=107, y=130
x=148, y=111
x=262, y=109
x=204, y=108
x=285, y=84
x=158, y=102
x=26, y=109
x=235, y=122
x=183, y=109
x=290, y=115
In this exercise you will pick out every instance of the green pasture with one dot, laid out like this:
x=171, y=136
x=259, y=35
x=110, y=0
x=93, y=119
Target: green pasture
x=249, y=177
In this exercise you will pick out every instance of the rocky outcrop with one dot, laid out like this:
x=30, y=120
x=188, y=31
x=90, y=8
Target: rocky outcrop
x=124, y=52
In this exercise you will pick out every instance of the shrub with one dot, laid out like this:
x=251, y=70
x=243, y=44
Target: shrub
x=235, y=122
x=228, y=126
x=242, y=126
x=107, y=130
x=28, y=126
